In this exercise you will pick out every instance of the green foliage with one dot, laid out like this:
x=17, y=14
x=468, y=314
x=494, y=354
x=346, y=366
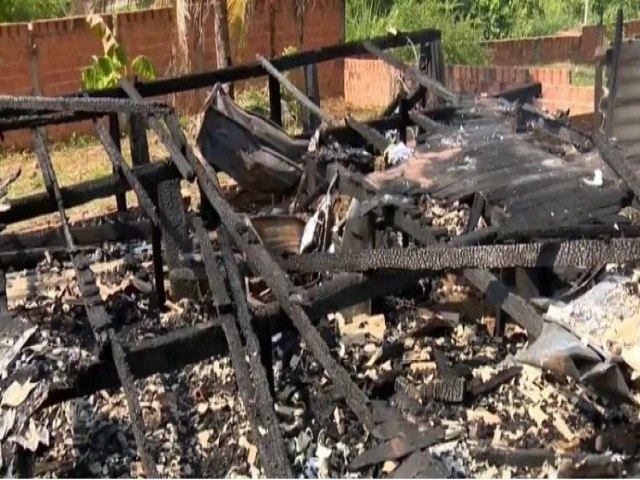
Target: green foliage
x=461, y=34
x=28, y=10
x=530, y=18
x=107, y=70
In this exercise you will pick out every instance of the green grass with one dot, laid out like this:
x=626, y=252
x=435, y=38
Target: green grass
x=583, y=75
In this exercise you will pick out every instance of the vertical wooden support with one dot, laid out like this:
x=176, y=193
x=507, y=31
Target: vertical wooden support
x=425, y=65
x=312, y=90
x=438, y=61
x=613, y=79
x=140, y=156
x=359, y=234
x=114, y=131
x=404, y=114
x=597, y=95
x=275, y=101
x=263, y=332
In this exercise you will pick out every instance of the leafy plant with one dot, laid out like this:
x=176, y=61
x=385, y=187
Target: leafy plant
x=107, y=70
x=28, y=10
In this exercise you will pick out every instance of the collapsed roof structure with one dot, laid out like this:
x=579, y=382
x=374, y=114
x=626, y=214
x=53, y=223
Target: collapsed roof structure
x=342, y=290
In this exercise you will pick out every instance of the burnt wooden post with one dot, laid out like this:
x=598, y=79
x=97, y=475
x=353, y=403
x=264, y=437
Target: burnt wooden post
x=425, y=65
x=597, y=97
x=182, y=278
x=359, y=234
x=140, y=156
x=613, y=78
x=275, y=101
x=404, y=114
x=310, y=121
x=114, y=131
x=438, y=62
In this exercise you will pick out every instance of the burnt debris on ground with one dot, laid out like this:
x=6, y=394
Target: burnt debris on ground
x=447, y=291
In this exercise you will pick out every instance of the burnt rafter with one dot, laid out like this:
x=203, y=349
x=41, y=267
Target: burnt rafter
x=20, y=104
x=96, y=313
x=423, y=80
x=582, y=253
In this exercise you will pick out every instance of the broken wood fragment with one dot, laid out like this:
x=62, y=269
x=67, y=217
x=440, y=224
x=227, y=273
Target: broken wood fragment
x=397, y=448
x=530, y=457
x=420, y=464
x=477, y=387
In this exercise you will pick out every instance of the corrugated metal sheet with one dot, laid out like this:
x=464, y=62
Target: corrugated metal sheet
x=626, y=115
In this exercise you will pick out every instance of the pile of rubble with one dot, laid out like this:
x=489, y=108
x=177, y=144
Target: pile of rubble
x=461, y=304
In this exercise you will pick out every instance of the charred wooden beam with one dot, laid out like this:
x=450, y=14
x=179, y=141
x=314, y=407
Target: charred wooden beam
x=422, y=121
x=96, y=313
x=522, y=93
x=477, y=387
x=90, y=235
x=247, y=240
x=217, y=286
x=165, y=137
x=426, y=82
x=114, y=132
x=121, y=167
x=530, y=457
x=289, y=62
x=498, y=295
x=257, y=390
x=161, y=354
x=249, y=373
x=295, y=91
x=371, y=135
x=582, y=253
x=340, y=293
x=135, y=411
x=17, y=105
x=346, y=135
x=615, y=66
x=32, y=206
x=159, y=219
x=44, y=119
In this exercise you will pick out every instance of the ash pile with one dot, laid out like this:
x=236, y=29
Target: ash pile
x=449, y=291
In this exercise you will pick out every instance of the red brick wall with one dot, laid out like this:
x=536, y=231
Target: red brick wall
x=65, y=46
x=369, y=83
x=557, y=91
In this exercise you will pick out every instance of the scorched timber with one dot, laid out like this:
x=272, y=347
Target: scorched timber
x=25, y=208
x=73, y=104
x=577, y=253
x=246, y=239
x=256, y=393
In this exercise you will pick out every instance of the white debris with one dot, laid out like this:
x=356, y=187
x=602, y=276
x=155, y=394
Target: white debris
x=597, y=180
